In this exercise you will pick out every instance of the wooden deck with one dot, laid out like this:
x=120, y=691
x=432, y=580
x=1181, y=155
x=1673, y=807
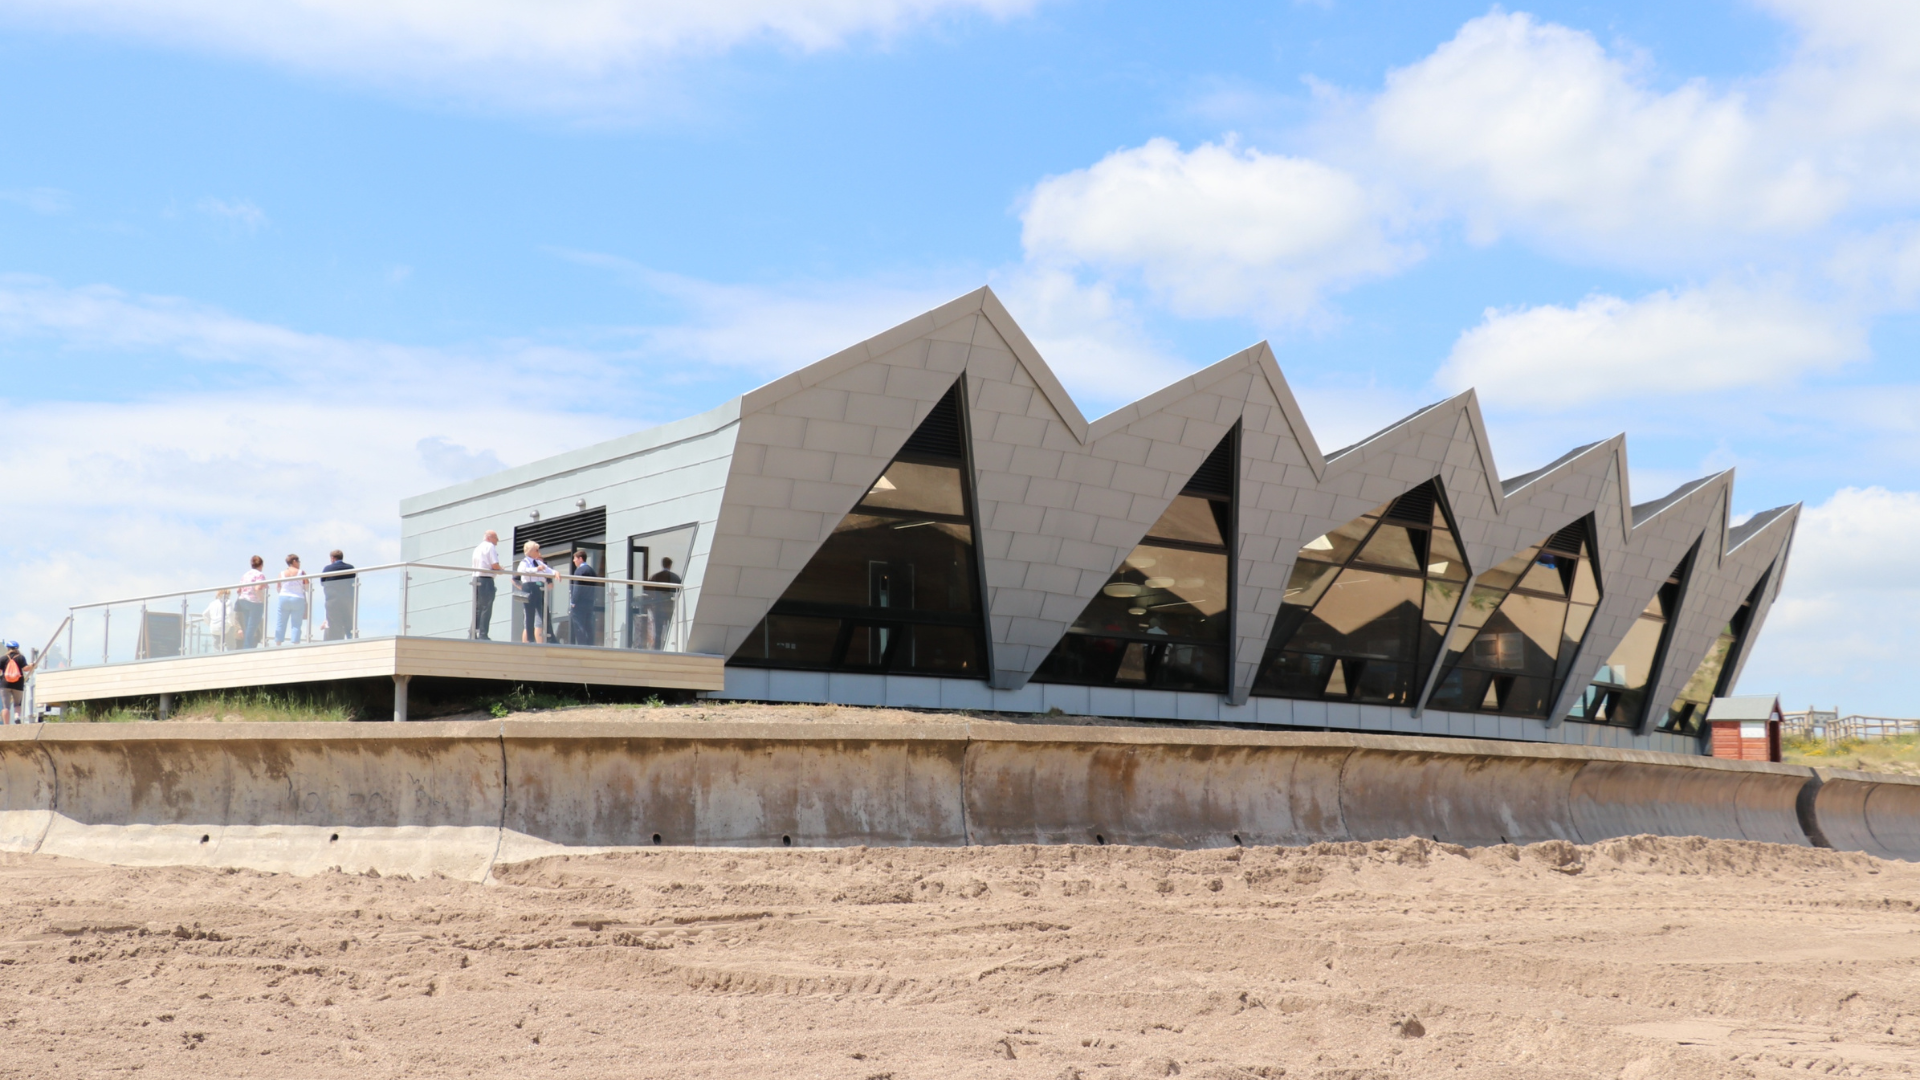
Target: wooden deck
x=404, y=656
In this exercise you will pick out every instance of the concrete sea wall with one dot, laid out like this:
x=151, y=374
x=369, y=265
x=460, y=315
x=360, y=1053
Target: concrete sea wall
x=456, y=798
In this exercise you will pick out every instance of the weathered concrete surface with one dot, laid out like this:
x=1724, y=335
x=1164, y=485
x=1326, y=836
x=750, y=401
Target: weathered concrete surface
x=1871, y=812
x=455, y=798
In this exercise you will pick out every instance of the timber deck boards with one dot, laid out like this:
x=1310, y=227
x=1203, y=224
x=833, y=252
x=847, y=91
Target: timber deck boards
x=385, y=657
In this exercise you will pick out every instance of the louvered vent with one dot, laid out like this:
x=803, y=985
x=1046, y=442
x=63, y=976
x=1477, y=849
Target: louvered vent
x=587, y=524
x=1415, y=505
x=1568, y=540
x=1215, y=476
x=939, y=434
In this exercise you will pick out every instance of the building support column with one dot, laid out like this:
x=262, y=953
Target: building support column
x=400, y=698
x=166, y=707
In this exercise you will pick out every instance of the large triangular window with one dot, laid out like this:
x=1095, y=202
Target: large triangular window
x=1162, y=620
x=1521, y=628
x=1714, y=677
x=1368, y=605
x=895, y=588
x=1618, y=693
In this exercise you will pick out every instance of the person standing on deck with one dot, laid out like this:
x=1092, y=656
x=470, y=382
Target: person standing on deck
x=338, y=587
x=252, y=605
x=532, y=577
x=583, y=601
x=486, y=560
x=290, y=605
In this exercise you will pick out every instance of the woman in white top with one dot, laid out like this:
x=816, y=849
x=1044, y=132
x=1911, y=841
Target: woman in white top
x=290, y=602
x=533, y=590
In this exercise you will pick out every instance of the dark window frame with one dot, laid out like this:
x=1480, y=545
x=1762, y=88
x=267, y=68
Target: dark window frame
x=1217, y=480
x=1353, y=669
x=855, y=618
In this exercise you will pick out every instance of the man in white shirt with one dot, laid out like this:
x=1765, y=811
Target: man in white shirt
x=486, y=558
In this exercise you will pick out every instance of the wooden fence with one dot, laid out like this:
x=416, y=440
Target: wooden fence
x=1828, y=724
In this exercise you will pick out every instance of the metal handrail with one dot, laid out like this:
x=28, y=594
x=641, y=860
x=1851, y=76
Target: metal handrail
x=52, y=640
x=274, y=582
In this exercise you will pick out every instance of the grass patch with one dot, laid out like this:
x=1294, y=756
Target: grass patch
x=525, y=699
x=1900, y=754
x=221, y=706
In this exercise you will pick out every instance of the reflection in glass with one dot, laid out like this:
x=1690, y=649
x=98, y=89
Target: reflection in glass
x=1162, y=620
x=1521, y=628
x=894, y=587
x=1367, y=605
x=1618, y=693
x=1688, y=713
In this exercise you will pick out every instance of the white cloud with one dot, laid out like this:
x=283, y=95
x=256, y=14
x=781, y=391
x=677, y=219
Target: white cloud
x=1696, y=340
x=519, y=53
x=241, y=212
x=1091, y=337
x=1530, y=126
x=147, y=497
x=766, y=330
x=1843, y=632
x=40, y=200
x=1217, y=230
x=99, y=318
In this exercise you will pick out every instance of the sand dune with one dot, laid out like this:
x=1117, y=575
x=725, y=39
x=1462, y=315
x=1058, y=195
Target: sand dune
x=1634, y=958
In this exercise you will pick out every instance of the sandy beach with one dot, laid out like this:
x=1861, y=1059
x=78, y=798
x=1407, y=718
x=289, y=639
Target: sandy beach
x=1635, y=958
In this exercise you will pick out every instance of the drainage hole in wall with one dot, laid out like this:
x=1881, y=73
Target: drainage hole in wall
x=787, y=841
x=1236, y=840
x=1099, y=838
x=334, y=838
x=204, y=838
x=656, y=839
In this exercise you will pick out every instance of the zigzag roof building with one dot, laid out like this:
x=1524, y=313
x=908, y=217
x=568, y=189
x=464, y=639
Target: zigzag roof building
x=926, y=519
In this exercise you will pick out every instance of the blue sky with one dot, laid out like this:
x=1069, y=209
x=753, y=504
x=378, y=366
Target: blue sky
x=265, y=271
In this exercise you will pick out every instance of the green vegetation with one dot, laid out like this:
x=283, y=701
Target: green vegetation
x=1900, y=754
x=222, y=706
x=523, y=699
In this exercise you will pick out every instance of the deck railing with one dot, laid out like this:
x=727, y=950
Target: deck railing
x=411, y=599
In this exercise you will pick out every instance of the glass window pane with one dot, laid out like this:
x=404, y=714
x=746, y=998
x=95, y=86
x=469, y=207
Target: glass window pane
x=1191, y=667
x=1578, y=616
x=1082, y=658
x=912, y=485
x=1366, y=608
x=942, y=650
x=1293, y=674
x=1383, y=683
x=1443, y=557
x=792, y=640
x=1441, y=597
x=1537, y=621
x=1503, y=577
x=1339, y=545
x=1309, y=580
x=885, y=562
x=1544, y=576
x=1367, y=613
x=1586, y=588
x=1395, y=545
x=1190, y=519
x=1162, y=591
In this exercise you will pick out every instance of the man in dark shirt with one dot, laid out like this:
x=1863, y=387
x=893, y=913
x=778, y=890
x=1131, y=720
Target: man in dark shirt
x=584, y=598
x=659, y=603
x=337, y=579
